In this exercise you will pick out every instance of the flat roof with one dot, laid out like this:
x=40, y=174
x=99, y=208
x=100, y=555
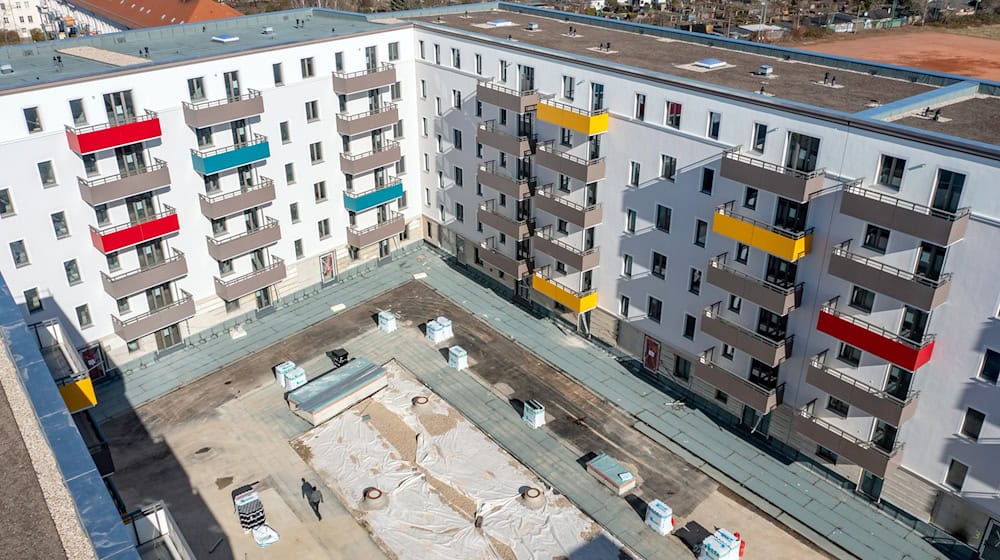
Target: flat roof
x=975, y=118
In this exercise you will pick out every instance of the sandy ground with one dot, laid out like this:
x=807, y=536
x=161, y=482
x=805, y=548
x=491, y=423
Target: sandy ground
x=931, y=50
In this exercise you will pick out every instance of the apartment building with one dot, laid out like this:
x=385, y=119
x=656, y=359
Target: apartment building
x=797, y=243
x=21, y=16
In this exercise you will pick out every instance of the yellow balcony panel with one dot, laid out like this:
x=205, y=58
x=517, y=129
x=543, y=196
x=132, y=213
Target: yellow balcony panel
x=789, y=245
x=573, y=118
x=78, y=394
x=576, y=301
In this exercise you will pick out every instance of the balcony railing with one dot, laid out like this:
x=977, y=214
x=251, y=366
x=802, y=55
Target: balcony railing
x=587, y=170
x=242, y=243
x=783, y=181
x=769, y=351
x=575, y=300
x=518, y=229
x=358, y=163
x=233, y=289
x=761, y=399
x=574, y=118
x=580, y=259
x=490, y=135
x=227, y=204
x=561, y=207
x=897, y=349
x=494, y=178
x=778, y=298
x=364, y=237
x=212, y=161
x=124, y=184
x=135, y=281
x=505, y=97
x=925, y=222
x=877, y=402
x=154, y=319
x=351, y=124
x=516, y=268
x=920, y=291
x=382, y=75
x=381, y=194
x=116, y=132
x=787, y=244
x=865, y=454
x=207, y=113
x=118, y=237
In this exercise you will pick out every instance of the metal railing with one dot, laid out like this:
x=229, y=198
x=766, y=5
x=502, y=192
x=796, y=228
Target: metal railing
x=383, y=148
x=742, y=158
x=491, y=168
x=389, y=182
x=728, y=209
x=545, y=273
x=371, y=112
x=178, y=255
x=394, y=217
x=900, y=203
x=573, y=109
x=549, y=146
x=831, y=308
x=819, y=362
x=250, y=94
x=546, y=191
x=856, y=441
x=157, y=165
x=148, y=116
x=118, y=323
x=167, y=211
x=787, y=290
x=268, y=224
x=707, y=358
x=264, y=182
x=509, y=91
x=383, y=67
x=257, y=139
x=275, y=263
x=842, y=250
x=713, y=312
x=546, y=233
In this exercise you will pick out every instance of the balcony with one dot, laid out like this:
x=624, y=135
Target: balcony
x=759, y=398
x=356, y=164
x=770, y=352
x=90, y=139
x=490, y=176
x=213, y=161
x=243, y=243
x=876, y=402
x=155, y=534
x=777, y=298
x=574, y=118
x=488, y=215
x=115, y=238
x=358, y=123
x=586, y=170
x=578, y=302
x=227, y=204
x=766, y=176
x=135, y=281
x=63, y=361
x=875, y=340
x=157, y=319
x=359, y=202
x=96, y=442
x=124, y=184
x=937, y=226
x=490, y=255
x=208, y=113
x=863, y=453
x=579, y=259
x=232, y=290
x=506, y=98
x=381, y=76
x=489, y=135
x=577, y=214
x=392, y=227
x=789, y=245
x=907, y=287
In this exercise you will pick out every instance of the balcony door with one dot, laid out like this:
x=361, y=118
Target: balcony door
x=150, y=254
x=119, y=107
x=373, y=101
x=526, y=124
x=898, y=383
x=159, y=297
x=763, y=375
x=772, y=325
x=381, y=177
x=596, y=97
x=371, y=58
x=803, y=152
x=252, y=219
x=241, y=132
x=948, y=191
x=595, y=147
x=245, y=173
x=914, y=324
x=140, y=208
x=791, y=215
x=383, y=213
x=131, y=159
x=780, y=272
x=527, y=75
x=258, y=260
x=377, y=140
x=168, y=337
x=232, y=81
x=884, y=436
x=931, y=261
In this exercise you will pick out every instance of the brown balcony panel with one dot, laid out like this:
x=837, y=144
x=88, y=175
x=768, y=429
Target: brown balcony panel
x=504, y=184
x=861, y=453
x=517, y=146
x=897, y=284
x=366, y=122
x=207, y=114
x=117, y=187
x=770, y=177
x=354, y=82
x=587, y=171
x=232, y=290
x=510, y=226
x=760, y=399
x=937, y=227
x=569, y=211
x=369, y=160
x=580, y=260
x=123, y=285
x=509, y=266
x=752, y=289
x=876, y=402
x=770, y=352
x=369, y=236
x=243, y=243
x=227, y=204
x=506, y=98
x=152, y=321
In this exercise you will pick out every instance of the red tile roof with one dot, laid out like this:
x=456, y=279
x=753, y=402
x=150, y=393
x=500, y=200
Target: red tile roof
x=152, y=13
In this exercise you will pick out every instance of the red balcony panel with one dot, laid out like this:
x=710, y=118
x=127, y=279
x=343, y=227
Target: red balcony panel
x=906, y=356
x=113, y=239
x=102, y=137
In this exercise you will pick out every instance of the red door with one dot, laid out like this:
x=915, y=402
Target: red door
x=651, y=355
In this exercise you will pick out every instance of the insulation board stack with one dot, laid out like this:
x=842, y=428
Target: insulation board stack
x=445, y=324
x=386, y=321
x=660, y=517
x=534, y=413
x=611, y=474
x=280, y=370
x=458, y=358
x=720, y=545
x=295, y=379
x=333, y=392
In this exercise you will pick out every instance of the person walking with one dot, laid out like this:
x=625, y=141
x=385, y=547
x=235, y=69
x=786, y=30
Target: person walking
x=315, y=499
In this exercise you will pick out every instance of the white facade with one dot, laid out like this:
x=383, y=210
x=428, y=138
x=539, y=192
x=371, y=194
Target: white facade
x=21, y=16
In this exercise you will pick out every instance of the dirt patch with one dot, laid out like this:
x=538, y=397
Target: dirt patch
x=438, y=424
x=302, y=449
x=400, y=436
x=502, y=550
x=457, y=500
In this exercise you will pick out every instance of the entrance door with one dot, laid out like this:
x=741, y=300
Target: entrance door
x=524, y=288
x=232, y=80
x=460, y=248
x=383, y=249
x=651, y=355
x=754, y=421
x=263, y=298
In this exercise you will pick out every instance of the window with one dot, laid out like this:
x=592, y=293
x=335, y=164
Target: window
x=750, y=198
x=401, y=202
x=663, y=215
x=423, y=51
x=32, y=301
x=396, y=91
x=32, y=119
x=456, y=99
x=948, y=190
x=972, y=425
x=324, y=228
x=862, y=299
x=316, y=152
x=196, y=89
x=397, y=129
x=427, y=162
x=742, y=253
x=668, y=167
x=627, y=266
x=503, y=117
x=77, y=112
x=721, y=396
x=562, y=226
x=437, y=106
x=991, y=367
x=440, y=144
x=226, y=267
x=133, y=346
x=46, y=173
x=459, y=176
x=290, y=173
x=694, y=282
x=849, y=354
x=561, y=267
x=673, y=115
x=459, y=212
x=306, y=64
x=286, y=135
x=682, y=368
x=759, y=137
x=700, y=232
x=503, y=71
x=735, y=304
x=689, y=326
x=6, y=203
x=437, y=54
x=293, y=212
x=658, y=267
x=803, y=151
x=890, y=173
x=630, y=216
x=826, y=454
x=564, y=183
x=479, y=64
x=707, y=180
x=401, y=165
x=123, y=305
x=876, y=239
x=59, y=225
x=728, y=352
x=838, y=407
x=456, y=139
x=319, y=191
x=83, y=317
x=203, y=136
x=479, y=108
x=279, y=75
x=423, y=89
x=633, y=173
x=456, y=58
x=20, y=254
x=394, y=51
x=623, y=305
x=312, y=110
x=566, y=137
x=654, y=309
x=72, y=272
x=957, y=472
x=640, y=106
x=568, y=87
